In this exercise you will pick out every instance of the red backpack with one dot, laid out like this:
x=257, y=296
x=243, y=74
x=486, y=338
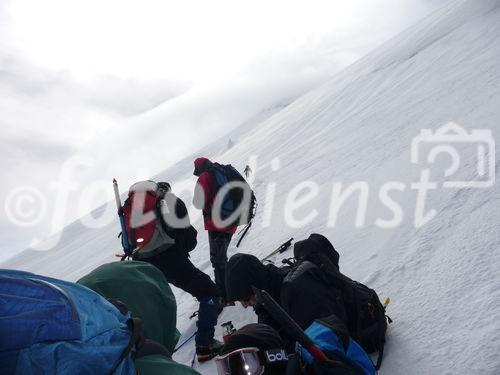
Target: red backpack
x=147, y=233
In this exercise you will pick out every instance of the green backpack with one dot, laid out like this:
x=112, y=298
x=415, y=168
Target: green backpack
x=145, y=292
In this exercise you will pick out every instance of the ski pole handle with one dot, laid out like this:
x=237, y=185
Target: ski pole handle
x=281, y=249
x=285, y=246
x=117, y=196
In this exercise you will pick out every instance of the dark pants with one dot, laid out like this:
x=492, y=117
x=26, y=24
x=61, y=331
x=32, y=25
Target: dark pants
x=179, y=271
x=219, y=242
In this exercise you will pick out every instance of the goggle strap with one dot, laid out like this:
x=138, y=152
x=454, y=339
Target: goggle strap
x=271, y=356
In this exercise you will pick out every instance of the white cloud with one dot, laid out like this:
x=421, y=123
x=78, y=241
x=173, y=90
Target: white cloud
x=138, y=85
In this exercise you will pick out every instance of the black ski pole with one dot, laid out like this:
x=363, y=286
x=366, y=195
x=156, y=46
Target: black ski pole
x=125, y=243
x=245, y=230
x=249, y=225
x=281, y=249
x=185, y=341
x=291, y=327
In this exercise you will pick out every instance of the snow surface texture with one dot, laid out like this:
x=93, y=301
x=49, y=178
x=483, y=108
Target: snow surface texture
x=443, y=277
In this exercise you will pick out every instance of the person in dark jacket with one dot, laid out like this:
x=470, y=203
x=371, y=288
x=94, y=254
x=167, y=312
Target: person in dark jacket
x=303, y=291
x=245, y=271
x=181, y=272
x=218, y=237
x=315, y=246
x=247, y=171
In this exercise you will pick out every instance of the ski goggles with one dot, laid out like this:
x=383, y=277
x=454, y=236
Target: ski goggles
x=248, y=361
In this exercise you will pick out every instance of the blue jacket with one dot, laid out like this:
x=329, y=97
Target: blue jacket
x=50, y=326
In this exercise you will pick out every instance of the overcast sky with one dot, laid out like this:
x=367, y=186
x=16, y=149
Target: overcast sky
x=104, y=78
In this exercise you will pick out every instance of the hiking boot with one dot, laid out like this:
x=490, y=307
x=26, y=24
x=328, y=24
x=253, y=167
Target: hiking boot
x=206, y=353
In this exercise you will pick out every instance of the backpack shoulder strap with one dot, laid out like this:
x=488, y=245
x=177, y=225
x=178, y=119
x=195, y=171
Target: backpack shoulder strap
x=380, y=357
x=382, y=331
x=136, y=326
x=159, y=215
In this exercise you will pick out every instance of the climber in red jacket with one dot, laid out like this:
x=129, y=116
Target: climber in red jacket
x=218, y=237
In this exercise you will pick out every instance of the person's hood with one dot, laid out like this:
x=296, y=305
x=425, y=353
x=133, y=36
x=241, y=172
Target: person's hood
x=254, y=335
x=316, y=243
x=244, y=271
x=201, y=164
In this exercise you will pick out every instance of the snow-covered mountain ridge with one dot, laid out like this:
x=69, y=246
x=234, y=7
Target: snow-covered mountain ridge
x=358, y=127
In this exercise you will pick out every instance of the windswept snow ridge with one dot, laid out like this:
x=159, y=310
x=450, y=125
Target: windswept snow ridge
x=442, y=276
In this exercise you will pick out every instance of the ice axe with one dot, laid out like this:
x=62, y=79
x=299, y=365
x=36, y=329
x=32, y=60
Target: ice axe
x=267, y=302
x=281, y=249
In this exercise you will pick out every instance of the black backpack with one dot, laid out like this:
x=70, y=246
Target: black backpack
x=366, y=318
x=235, y=197
x=185, y=237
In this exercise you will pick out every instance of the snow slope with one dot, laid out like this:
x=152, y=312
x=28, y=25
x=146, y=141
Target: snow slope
x=443, y=276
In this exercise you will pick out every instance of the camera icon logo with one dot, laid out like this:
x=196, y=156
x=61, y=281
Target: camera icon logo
x=477, y=145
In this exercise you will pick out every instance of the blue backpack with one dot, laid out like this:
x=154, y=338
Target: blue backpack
x=235, y=197
x=49, y=326
x=347, y=356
